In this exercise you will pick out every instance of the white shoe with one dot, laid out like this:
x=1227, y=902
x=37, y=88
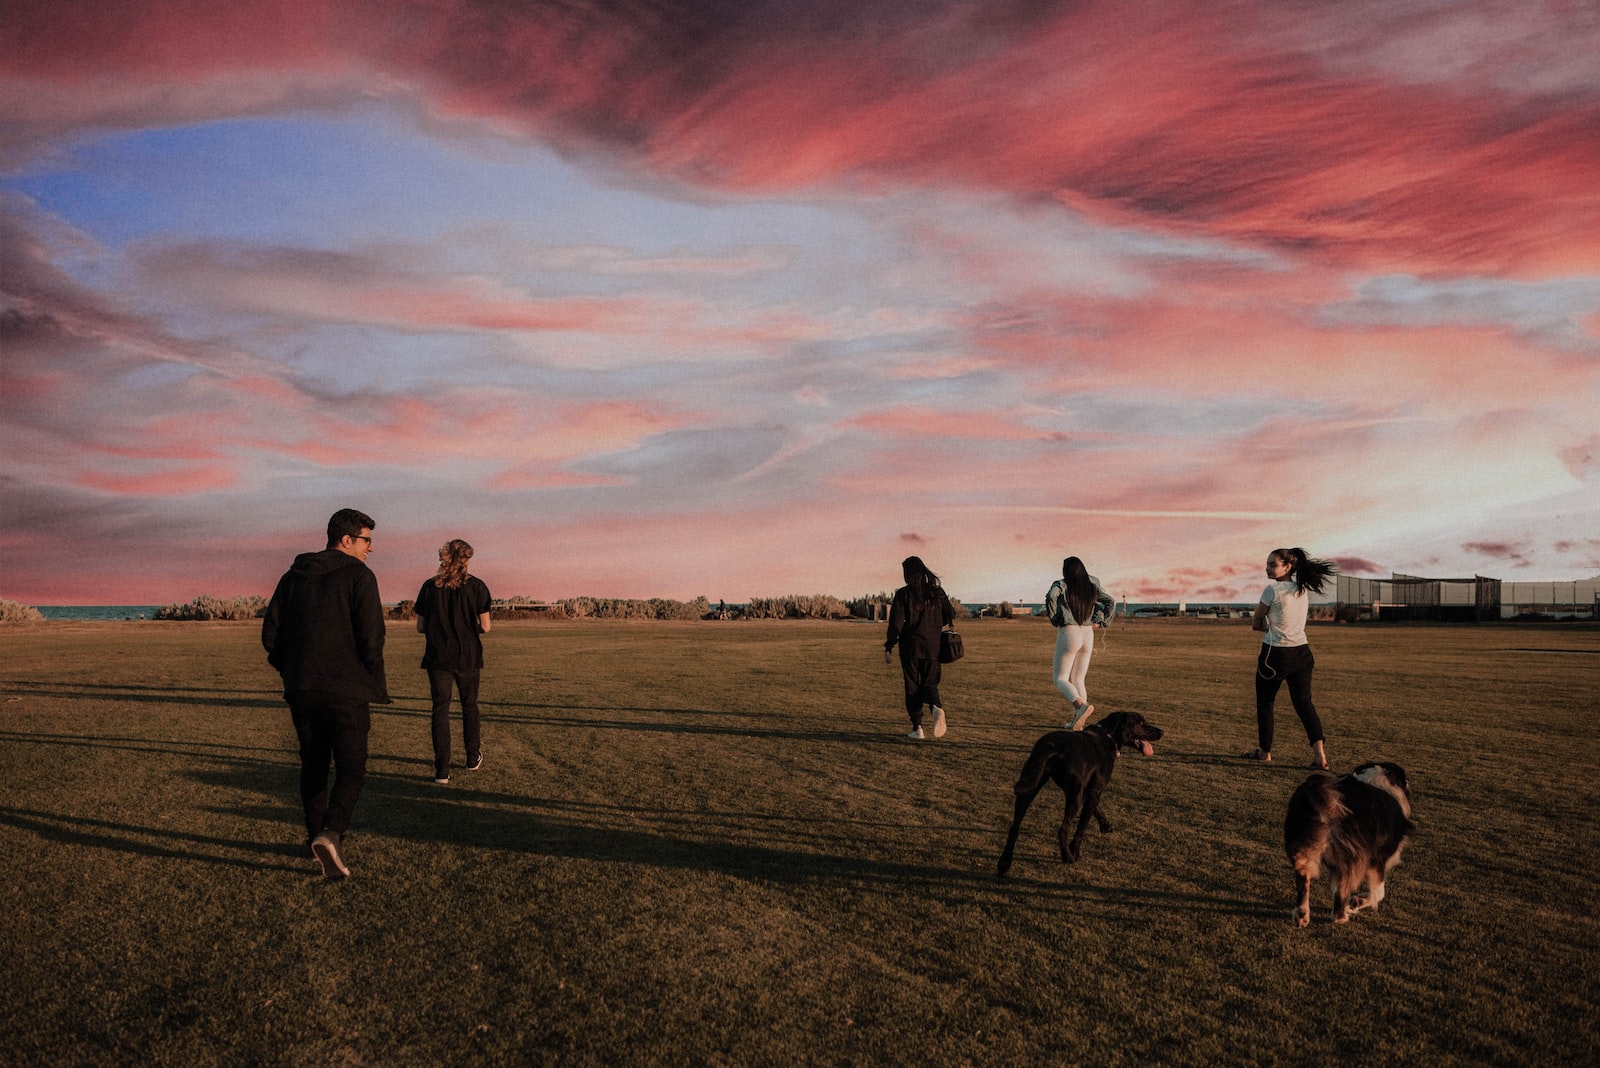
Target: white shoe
x=916, y=732
x=1081, y=717
x=938, y=722
x=325, y=847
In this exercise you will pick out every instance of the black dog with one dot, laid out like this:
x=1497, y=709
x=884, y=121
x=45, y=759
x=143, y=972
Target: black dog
x=1354, y=826
x=1081, y=763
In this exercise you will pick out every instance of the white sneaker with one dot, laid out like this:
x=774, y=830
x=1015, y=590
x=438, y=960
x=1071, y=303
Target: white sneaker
x=916, y=732
x=938, y=722
x=1081, y=718
x=325, y=847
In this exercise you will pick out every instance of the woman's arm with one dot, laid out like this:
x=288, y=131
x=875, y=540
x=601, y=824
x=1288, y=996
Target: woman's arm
x=897, y=613
x=1259, y=622
x=1052, y=598
x=1104, y=605
x=483, y=623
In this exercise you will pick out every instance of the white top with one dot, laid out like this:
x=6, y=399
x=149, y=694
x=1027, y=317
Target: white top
x=1287, y=609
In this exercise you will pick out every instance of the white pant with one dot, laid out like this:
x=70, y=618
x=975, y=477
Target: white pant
x=1074, y=647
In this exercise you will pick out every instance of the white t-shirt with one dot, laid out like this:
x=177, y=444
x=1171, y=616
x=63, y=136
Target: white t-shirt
x=1287, y=608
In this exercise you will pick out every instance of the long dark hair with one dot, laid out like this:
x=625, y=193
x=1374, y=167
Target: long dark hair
x=1308, y=573
x=1079, y=587
x=453, y=557
x=919, y=580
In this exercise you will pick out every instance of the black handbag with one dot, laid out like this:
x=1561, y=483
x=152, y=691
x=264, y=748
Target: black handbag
x=950, y=649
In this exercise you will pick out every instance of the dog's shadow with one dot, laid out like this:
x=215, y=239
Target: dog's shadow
x=1114, y=896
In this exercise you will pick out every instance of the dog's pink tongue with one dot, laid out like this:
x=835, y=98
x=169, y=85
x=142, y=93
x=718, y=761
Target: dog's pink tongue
x=1147, y=748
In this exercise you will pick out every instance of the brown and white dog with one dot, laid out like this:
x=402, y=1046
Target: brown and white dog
x=1354, y=827
x=1081, y=763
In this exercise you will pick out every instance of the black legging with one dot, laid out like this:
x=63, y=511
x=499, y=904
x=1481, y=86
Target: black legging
x=922, y=685
x=1276, y=665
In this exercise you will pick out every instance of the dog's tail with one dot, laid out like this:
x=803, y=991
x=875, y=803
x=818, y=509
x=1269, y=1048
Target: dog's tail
x=1315, y=809
x=1035, y=771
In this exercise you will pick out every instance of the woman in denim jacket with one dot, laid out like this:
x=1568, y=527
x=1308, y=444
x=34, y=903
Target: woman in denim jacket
x=1076, y=605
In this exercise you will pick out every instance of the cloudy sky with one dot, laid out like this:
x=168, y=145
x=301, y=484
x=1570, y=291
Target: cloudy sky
x=753, y=297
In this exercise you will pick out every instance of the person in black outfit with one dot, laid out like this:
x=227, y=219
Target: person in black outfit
x=920, y=610
x=452, y=611
x=323, y=632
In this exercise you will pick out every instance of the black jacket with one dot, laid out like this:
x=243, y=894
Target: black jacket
x=324, y=628
x=916, y=627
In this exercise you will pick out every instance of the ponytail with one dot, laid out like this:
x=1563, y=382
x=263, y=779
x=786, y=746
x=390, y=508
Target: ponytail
x=453, y=557
x=1308, y=573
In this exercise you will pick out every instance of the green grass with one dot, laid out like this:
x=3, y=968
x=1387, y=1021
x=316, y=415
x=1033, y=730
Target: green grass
x=709, y=843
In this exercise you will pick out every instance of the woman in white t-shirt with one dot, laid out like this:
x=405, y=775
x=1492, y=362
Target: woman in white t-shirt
x=1285, y=656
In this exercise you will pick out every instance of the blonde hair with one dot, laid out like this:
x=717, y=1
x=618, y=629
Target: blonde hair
x=453, y=557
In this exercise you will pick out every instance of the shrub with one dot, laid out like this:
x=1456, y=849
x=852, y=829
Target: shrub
x=797, y=606
x=12, y=612
x=206, y=607
x=622, y=608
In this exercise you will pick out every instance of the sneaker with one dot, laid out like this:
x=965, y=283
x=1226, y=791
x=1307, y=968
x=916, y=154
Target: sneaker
x=325, y=847
x=938, y=722
x=475, y=763
x=916, y=733
x=442, y=778
x=1081, y=717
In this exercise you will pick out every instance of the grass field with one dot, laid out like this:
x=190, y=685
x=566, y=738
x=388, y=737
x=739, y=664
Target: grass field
x=709, y=843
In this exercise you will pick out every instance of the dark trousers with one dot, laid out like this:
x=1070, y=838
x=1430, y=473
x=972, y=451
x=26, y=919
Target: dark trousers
x=1276, y=665
x=330, y=728
x=466, y=684
x=922, y=685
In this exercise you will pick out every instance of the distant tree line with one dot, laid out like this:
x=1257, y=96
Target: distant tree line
x=624, y=608
x=790, y=606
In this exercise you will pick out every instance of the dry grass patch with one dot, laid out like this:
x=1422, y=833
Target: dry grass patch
x=709, y=843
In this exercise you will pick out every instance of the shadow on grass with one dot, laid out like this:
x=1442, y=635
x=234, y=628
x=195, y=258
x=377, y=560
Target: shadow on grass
x=796, y=850
x=165, y=695
x=129, y=744
x=163, y=842
x=878, y=735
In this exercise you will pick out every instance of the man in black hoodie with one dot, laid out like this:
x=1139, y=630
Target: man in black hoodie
x=323, y=631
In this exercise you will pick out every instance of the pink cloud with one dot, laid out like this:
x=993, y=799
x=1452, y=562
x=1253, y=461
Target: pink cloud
x=1246, y=120
x=920, y=422
x=169, y=483
x=1355, y=565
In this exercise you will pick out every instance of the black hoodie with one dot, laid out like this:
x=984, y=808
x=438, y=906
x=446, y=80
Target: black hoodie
x=324, y=628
